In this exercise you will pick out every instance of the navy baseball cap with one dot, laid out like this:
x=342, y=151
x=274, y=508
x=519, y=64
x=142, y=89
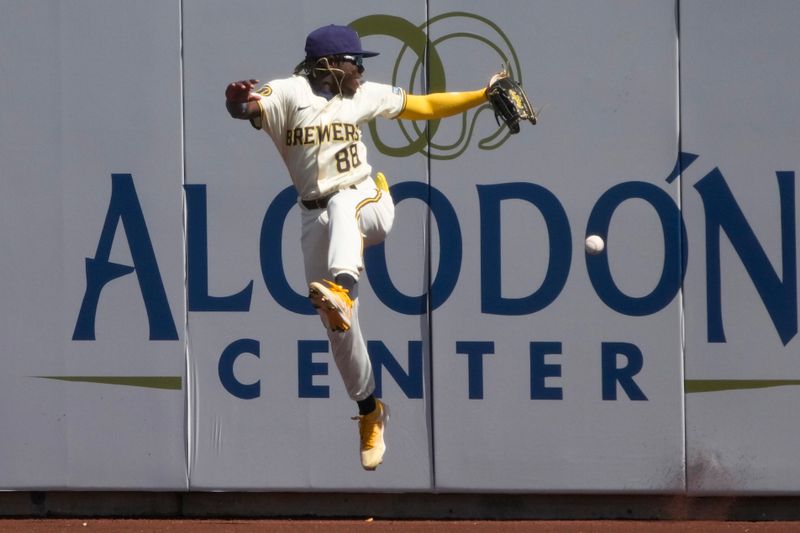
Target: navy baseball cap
x=334, y=40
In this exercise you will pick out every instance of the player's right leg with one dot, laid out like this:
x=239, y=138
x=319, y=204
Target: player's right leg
x=376, y=219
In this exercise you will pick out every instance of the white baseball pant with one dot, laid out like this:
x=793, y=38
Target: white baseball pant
x=333, y=241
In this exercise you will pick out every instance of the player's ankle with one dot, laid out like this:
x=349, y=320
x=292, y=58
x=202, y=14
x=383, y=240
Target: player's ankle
x=348, y=282
x=367, y=405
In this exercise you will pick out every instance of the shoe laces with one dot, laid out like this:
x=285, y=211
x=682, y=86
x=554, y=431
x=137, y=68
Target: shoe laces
x=368, y=430
x=340, y=291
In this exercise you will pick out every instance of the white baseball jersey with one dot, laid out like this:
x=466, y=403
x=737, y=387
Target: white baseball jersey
x=320, y=140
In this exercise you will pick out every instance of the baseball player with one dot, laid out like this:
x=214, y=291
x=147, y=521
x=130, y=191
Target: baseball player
x=314, y=117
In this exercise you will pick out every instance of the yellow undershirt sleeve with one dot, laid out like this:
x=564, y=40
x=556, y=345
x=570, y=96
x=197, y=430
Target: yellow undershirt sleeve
x=441, y=105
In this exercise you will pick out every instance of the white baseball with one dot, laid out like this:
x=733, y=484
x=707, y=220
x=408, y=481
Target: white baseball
x=594, y=244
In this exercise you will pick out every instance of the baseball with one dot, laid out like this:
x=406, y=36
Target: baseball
x=594, y=244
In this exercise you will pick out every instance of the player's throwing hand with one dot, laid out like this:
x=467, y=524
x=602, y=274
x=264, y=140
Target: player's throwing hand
x=239, y=92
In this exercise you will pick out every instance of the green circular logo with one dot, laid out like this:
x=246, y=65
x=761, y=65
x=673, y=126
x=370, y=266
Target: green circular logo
x=427, y=66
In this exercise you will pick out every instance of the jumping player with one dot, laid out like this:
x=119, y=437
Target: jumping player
x=314, y=119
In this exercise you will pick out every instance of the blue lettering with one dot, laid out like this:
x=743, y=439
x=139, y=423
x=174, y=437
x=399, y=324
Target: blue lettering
x=410, y=383
x=492, y=300
x=307, y=369
x=271, y=253
x=225, y=369
x=724, y=214
x=197, y=259
x=541, y=370
x=675, y=255
x=682, y=162
x=124, y=205
x=475, y=352
x=449, y=254
x=611, y=374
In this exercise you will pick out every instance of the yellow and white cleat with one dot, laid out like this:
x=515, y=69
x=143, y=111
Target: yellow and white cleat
x=333, y=304
x=371, y=429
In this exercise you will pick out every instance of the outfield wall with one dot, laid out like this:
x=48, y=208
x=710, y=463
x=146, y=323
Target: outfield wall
x=157, y=336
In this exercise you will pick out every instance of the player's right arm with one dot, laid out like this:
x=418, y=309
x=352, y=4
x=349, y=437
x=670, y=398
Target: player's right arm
x=240, y=100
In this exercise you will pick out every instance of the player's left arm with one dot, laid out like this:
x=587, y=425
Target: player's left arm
x=441, y=105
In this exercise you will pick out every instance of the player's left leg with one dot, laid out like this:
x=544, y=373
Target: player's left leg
x=358, y=218
x=376, y=216
x=347, y=343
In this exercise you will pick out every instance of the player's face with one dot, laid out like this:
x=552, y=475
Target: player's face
x=352, y=68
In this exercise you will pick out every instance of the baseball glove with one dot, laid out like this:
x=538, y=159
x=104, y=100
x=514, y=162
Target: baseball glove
x=509, y=101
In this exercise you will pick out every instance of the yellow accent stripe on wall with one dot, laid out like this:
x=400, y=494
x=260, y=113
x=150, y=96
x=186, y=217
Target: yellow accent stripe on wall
x=148, y=382
x=716, y=385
